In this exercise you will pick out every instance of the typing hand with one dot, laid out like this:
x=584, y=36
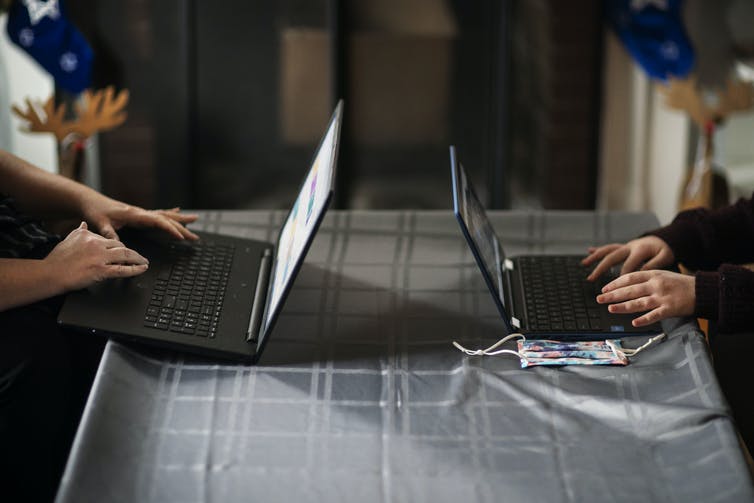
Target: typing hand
x=663, y=294
x=108, y=215
x=646, y=253
x=84, y=258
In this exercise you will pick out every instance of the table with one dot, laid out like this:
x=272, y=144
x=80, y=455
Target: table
x=360, y=395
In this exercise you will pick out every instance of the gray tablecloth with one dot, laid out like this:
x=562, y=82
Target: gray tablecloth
x=360, y=395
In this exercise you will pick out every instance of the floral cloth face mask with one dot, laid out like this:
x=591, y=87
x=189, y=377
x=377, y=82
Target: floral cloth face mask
x=544, y=352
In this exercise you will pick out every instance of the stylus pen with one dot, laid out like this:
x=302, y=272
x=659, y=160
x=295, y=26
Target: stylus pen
x=259, y=296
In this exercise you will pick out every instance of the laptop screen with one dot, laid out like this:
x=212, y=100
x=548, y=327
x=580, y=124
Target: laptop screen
x=477, y=229
x=302, y=222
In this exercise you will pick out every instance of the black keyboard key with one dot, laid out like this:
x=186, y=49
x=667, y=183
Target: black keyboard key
x=557, y=286
x=194, y=286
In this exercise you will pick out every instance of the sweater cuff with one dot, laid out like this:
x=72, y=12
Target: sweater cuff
x=707, y=290
x=736, y=299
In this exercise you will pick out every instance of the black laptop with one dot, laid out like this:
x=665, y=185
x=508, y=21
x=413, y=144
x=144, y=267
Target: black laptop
x=219, y=296
x=545, y=296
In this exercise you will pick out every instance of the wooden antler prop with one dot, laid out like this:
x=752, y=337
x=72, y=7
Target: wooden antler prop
x=49, y=121
x=97, y=111
x=738, y=96
x=702, y=187
x=685, y=95
x=100, y=111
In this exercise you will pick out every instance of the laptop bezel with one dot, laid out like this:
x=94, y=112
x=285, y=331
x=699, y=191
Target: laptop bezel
x=458, y=196
x=269, y=319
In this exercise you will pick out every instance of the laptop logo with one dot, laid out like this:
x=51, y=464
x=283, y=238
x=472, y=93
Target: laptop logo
x=617, y=328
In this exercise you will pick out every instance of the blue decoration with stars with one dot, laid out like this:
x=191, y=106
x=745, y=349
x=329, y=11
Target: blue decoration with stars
x=653, y=33
x=42, y=29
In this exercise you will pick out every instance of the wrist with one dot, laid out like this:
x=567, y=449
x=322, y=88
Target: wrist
x=52, y=274
x=94, y=207
x=86, y=200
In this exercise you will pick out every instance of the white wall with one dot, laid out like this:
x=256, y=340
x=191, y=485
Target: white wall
x=20, y=78
x=735, y=153
x=667, y=160
x=643, y=143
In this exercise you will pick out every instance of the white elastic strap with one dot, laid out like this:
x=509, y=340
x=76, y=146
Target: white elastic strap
x=619, y=353
x=492, y=350
x=633, y=352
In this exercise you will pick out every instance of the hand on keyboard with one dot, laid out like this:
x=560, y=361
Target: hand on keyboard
x=645, y=253
x=663, y=294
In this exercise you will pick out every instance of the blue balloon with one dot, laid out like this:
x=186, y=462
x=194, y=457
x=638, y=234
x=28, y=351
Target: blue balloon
x=653, y=33
x=42, y=30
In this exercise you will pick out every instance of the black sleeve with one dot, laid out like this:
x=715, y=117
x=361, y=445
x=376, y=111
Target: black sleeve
x=705, y=239
x=726, y=296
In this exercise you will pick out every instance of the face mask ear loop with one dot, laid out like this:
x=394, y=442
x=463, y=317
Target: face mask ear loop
x=620, y=354
x=634, y=352
x=490, y=351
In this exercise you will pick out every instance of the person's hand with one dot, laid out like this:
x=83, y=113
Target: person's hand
x=663, y=294
x=84, y=258
x=646, y=253
x=107, y=215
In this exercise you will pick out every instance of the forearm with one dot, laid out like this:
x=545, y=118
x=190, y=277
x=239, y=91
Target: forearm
x=40, y=193
x=704, y=239
x=24, y=281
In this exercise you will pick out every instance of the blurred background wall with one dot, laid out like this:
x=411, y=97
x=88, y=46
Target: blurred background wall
x=228, y=100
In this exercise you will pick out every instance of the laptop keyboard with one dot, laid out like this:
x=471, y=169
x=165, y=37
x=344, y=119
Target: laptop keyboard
x=557, y=294
x=188, y=297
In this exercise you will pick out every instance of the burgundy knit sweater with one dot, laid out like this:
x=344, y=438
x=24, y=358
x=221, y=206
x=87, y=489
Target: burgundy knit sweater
x=712, y=242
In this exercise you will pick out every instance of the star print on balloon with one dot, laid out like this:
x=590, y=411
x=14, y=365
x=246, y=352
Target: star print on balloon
x=653, y=32
x=42, y=30
x=38, y=10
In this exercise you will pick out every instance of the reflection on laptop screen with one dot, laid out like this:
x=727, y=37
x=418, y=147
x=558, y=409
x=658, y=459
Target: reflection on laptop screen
x=303, y=219
x=475, y=223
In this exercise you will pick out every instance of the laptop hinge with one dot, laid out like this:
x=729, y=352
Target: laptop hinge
x=260, y=296
x=510, y=304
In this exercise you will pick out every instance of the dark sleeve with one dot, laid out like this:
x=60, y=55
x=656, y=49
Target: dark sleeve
x=705, y=239
x=727, y=296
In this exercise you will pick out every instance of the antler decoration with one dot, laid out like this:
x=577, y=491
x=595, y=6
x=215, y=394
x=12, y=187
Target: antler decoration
x=49, y=121
x=684, y=95
x=100, y=111
x=97, y=111
x=738, y=96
